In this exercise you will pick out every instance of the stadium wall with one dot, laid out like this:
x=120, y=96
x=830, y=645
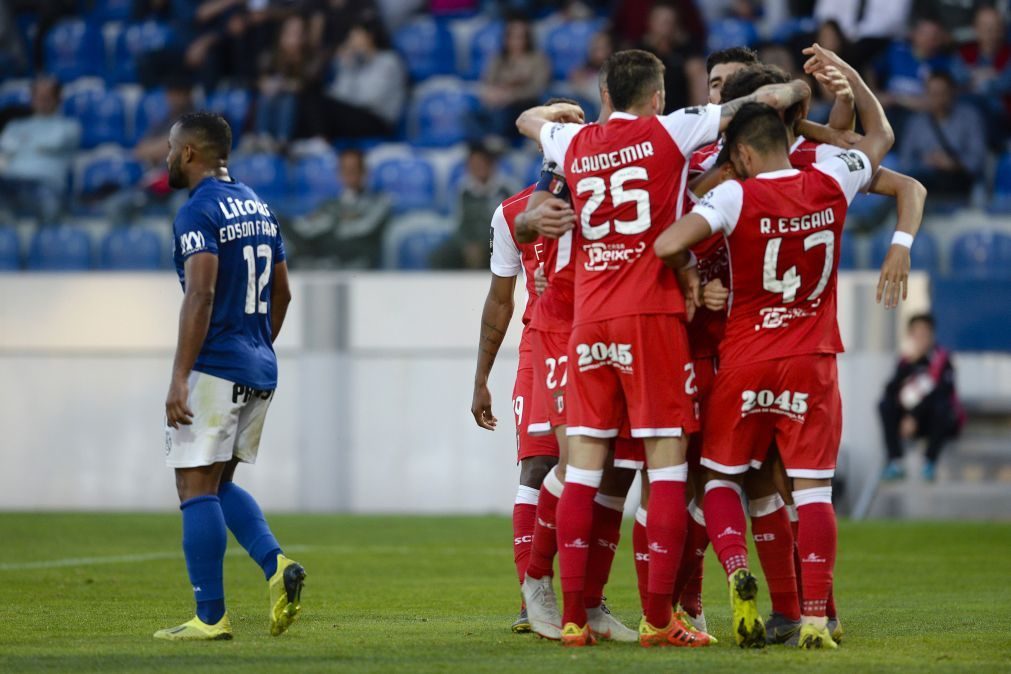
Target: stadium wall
x=372, y=411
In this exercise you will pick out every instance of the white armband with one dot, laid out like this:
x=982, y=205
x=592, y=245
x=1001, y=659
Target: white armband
x=902, y=239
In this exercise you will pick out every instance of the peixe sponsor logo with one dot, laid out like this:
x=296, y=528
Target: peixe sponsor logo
x=605, y=256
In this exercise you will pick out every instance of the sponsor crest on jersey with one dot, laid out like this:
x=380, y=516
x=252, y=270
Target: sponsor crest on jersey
x=191, y=242
x=557, y=186
x=853, y=161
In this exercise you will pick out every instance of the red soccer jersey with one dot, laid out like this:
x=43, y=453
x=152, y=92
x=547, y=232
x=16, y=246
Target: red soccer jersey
x=554, y=309
x=783, y=230
x=704, y=158
x=508, y=256
x=621, y=176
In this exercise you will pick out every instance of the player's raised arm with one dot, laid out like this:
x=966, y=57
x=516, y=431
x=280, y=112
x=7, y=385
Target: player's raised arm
x=878, y=135
x=778, y=96
x=843, y=115
x=201, y=272
x=532, y=121
x=910, y=196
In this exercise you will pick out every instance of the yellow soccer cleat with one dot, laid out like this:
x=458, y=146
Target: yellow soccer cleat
x=748, y=628
x=675, y=634
x=814, y=636
x=197, y=630
x=575, y=636
x=836, y=628
x=285, y=594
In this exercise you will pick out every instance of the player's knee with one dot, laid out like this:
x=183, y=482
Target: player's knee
x=759, y=484
x=192, y=483
x=534, y=469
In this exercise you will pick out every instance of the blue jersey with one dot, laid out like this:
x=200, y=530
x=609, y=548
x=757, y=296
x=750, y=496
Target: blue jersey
x=227, y=219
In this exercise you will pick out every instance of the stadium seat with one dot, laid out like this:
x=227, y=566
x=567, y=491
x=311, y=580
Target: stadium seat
x=409, y=181
x=412, y=239
x=567, y=45
x=848, y=251
x=972, y=314
x=151, y=110
x=14, y=93
x=791, y=28
x=727, y=33
x=133, y=42
x=104, y=172
x=1002, y=186
x=111, y=10
x=10, y=249
x=131, y=249
x=982, y=254
x=266, y=174
x=313, y=180
x=73, y=49
x=233, y=105
x=439, y=113
x=102, y=115
x=427, y=48
x=924, y=255
x=59, y=248
x=484, y=44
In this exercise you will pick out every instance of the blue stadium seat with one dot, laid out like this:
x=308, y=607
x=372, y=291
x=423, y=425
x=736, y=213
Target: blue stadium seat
x=409, y=181
x=131, y=249
x=234, y=105
x=438, y=116
x=427, y=48
x=416, y=249
x=59, y=248
x=727, y=33
x=982, y=254
x=313, y=179
x=567, y=45
x=15, y=93
x=111, y=10
x=924, y=255
x=484, y=44
x=972, y=314
x=848, y=251
x=265, y=174
x=152, y=109
x=10, y=249
x=98, y=174
x=135, y=40
x=1002, y=186
x=102, y=115
x=73, y=49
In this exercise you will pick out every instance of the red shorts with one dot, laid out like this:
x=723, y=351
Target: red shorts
x=527, y=445
x=704, y=371
x=550, y=357
x=792, y=401
x=639, y=365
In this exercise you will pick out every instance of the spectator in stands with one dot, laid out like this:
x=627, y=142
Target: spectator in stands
x=988, y=63
x=481, y=192
x=36, y=152
x=920, y=401
x=345, y=232
x=904, y=69
x=48, y=13
x=870, y=24
x=681, y=53
x=944, y=147
x=285, y=74
x=366, y=99
x=585, y=78
x=955, y=15
x=330, y=21
x=631, y=19
x=228, y=35
x=514, y=79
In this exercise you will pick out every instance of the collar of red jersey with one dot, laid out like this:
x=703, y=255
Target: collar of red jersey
x=797, y=143
x=617, y=114
x=781, y=173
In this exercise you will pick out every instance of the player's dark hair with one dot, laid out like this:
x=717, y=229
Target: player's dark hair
x=554, y=100
x=757, y=125
x=211, y=131
x=747, y=81
x=745, y=55
x=927, y=319
x=632, y=76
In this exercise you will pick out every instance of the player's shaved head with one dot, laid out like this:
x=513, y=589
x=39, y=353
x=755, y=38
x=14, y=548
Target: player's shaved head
x=747, y=81
x=759, y=127
x=633, y=77
x=208, y=133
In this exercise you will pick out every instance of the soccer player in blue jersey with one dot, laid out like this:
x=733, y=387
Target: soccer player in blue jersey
x=230, y=260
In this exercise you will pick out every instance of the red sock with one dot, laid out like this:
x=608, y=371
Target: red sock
x=816, y=541
x=665, y=529
x=640, y=545
x=726, y=525
x=545, y=543
x=607, y=512
x=524, y=516
x=575, y=524
x=688, y=586
x=770, y=528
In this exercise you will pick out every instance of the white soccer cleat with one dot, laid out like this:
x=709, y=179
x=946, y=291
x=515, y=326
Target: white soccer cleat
x=698, y=622
x=542, y=607
x=605, y=626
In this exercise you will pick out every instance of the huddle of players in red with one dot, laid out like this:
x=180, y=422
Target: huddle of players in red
x=697, y=343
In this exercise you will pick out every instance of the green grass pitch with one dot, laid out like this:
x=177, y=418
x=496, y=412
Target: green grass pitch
x=84, y=592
